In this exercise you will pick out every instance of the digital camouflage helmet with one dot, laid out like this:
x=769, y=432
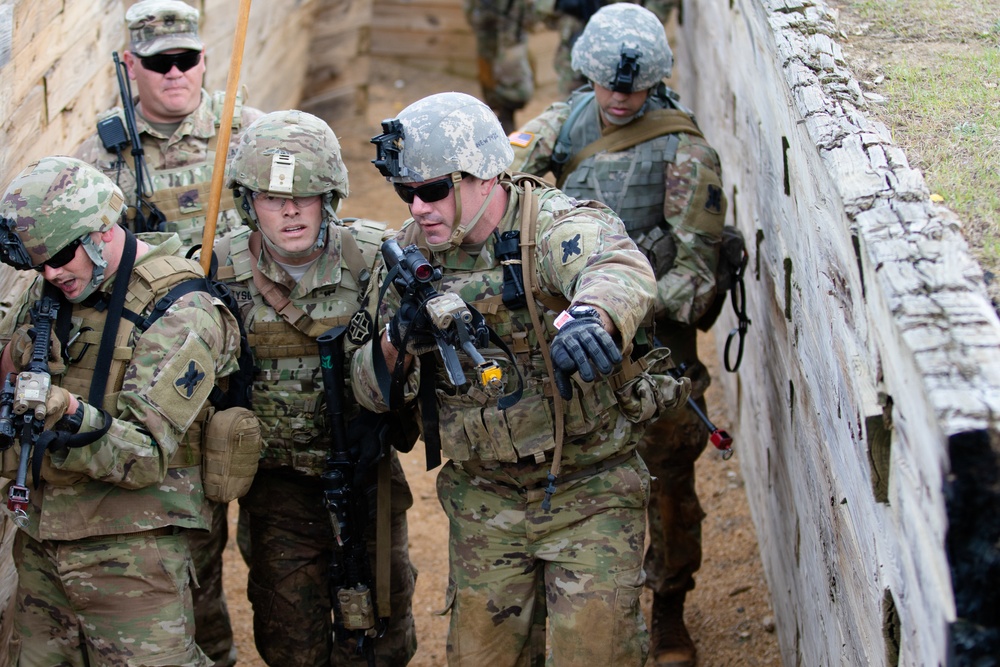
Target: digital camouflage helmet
x=289, y=154
x=52, y=203
x=623, y=48
x=444, y=135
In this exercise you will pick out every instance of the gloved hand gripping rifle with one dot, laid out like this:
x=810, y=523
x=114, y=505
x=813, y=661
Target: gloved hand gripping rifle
x=351, y=581
x=115, y=136
x=22, y=404
x=451, y=322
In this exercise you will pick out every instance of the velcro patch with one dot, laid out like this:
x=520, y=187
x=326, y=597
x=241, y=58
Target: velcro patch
x=359, y=330
x=571, y=248
x=521, y=139
x=187, y=382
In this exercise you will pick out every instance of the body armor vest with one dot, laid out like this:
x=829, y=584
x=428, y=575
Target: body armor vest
x=288, y=396
x=149, y=282
x=182, y=193
x=472, y=426
x=625, y=180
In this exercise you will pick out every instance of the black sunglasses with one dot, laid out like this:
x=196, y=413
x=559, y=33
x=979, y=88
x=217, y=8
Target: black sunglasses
x=428, y=192
x=161, y=63
x=61, y=258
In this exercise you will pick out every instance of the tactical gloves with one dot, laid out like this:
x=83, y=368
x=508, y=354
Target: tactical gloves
x=410, y=327
x=580, y=342
x=22, y=344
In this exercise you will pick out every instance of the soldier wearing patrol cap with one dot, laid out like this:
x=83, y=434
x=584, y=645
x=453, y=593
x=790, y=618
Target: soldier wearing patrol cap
x=176, y=120
x=115, y=484
x=542, y=486
x=600, y=144
x=299, y=273
x=175, y=117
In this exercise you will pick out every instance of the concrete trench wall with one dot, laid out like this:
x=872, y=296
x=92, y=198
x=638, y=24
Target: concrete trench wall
x=872, y=368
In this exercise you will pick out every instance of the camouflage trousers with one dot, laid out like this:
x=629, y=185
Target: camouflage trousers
x=213, y=629
x=501, y=28
x=570, y=28
x=670, y=447
x=114, y=601
x=291, y=546
x=586, y=551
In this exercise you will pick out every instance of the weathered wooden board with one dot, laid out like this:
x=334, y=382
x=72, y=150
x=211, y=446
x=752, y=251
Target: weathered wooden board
x=871, y=341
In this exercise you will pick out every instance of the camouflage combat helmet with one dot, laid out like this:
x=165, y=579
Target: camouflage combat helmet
x=288, y=154
x=52, y=203
x=447, y=134
x=623, y=48
x=440, y=135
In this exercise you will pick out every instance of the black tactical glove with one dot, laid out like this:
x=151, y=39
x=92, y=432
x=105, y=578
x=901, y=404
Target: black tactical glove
x=410, y=327
x=579, y=343
x=581, y=9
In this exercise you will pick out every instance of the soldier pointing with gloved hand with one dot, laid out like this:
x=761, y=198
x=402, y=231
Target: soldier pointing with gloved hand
x=541, y=487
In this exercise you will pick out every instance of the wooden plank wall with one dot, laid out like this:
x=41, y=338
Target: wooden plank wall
x=56, y=73
x=873, y=348
x=427, y=33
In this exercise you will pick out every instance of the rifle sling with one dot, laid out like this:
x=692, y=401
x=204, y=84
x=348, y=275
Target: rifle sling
x=105, y=353
x=652, y=124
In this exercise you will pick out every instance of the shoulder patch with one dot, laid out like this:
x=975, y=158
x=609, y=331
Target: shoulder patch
x=713, y=203
x=359, y=330
x=521, y=139
x=571, y=248
x=187, y=381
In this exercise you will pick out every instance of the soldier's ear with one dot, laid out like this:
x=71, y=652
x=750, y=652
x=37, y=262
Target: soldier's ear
x=130, y=63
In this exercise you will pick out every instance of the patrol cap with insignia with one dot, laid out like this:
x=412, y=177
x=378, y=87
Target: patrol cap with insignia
x=155, y=26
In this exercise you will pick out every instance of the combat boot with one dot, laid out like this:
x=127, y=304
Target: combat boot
x=671, y=644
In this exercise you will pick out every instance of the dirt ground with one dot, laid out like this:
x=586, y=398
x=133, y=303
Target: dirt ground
x=728, y=613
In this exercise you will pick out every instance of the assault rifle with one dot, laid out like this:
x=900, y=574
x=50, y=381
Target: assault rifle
x=115, y=136
x=22, y=404
x=451, y=322
x=351, y=581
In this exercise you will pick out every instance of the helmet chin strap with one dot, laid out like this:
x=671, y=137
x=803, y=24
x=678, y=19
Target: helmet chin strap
x=459, y=232
x=96, y=254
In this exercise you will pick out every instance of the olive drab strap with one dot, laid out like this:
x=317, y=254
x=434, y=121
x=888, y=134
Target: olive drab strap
x=277, y=297
x=529, y=216
x=652, y=124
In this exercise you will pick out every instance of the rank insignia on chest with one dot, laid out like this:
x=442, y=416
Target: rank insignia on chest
x=187, y=382
x=359, y=330
x=188, y=201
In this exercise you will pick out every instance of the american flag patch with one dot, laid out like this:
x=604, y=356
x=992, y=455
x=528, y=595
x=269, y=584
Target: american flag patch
x=520, y=139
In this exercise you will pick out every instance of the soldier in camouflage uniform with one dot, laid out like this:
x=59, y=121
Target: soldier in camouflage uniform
x=570, y=20
x=674, y=210
x=299, y=273
x=103, y=559
x=177, y=120
x=501, y=28
x=512, y=526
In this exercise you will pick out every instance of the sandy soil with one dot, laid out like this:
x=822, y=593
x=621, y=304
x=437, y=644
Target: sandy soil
x=728, y=613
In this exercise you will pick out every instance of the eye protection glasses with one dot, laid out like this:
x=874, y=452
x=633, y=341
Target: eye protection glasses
x=61, y=258
x=271, y=203
x=161, y=63
x=428, y=192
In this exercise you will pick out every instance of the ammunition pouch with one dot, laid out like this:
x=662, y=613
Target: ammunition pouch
x=652, y=392
x=231, y=449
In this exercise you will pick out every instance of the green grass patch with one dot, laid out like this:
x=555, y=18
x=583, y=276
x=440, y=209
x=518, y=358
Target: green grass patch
x=945, y=111
x=943, y=20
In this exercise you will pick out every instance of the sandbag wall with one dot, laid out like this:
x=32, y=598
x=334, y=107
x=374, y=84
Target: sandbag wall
x=868, y=400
